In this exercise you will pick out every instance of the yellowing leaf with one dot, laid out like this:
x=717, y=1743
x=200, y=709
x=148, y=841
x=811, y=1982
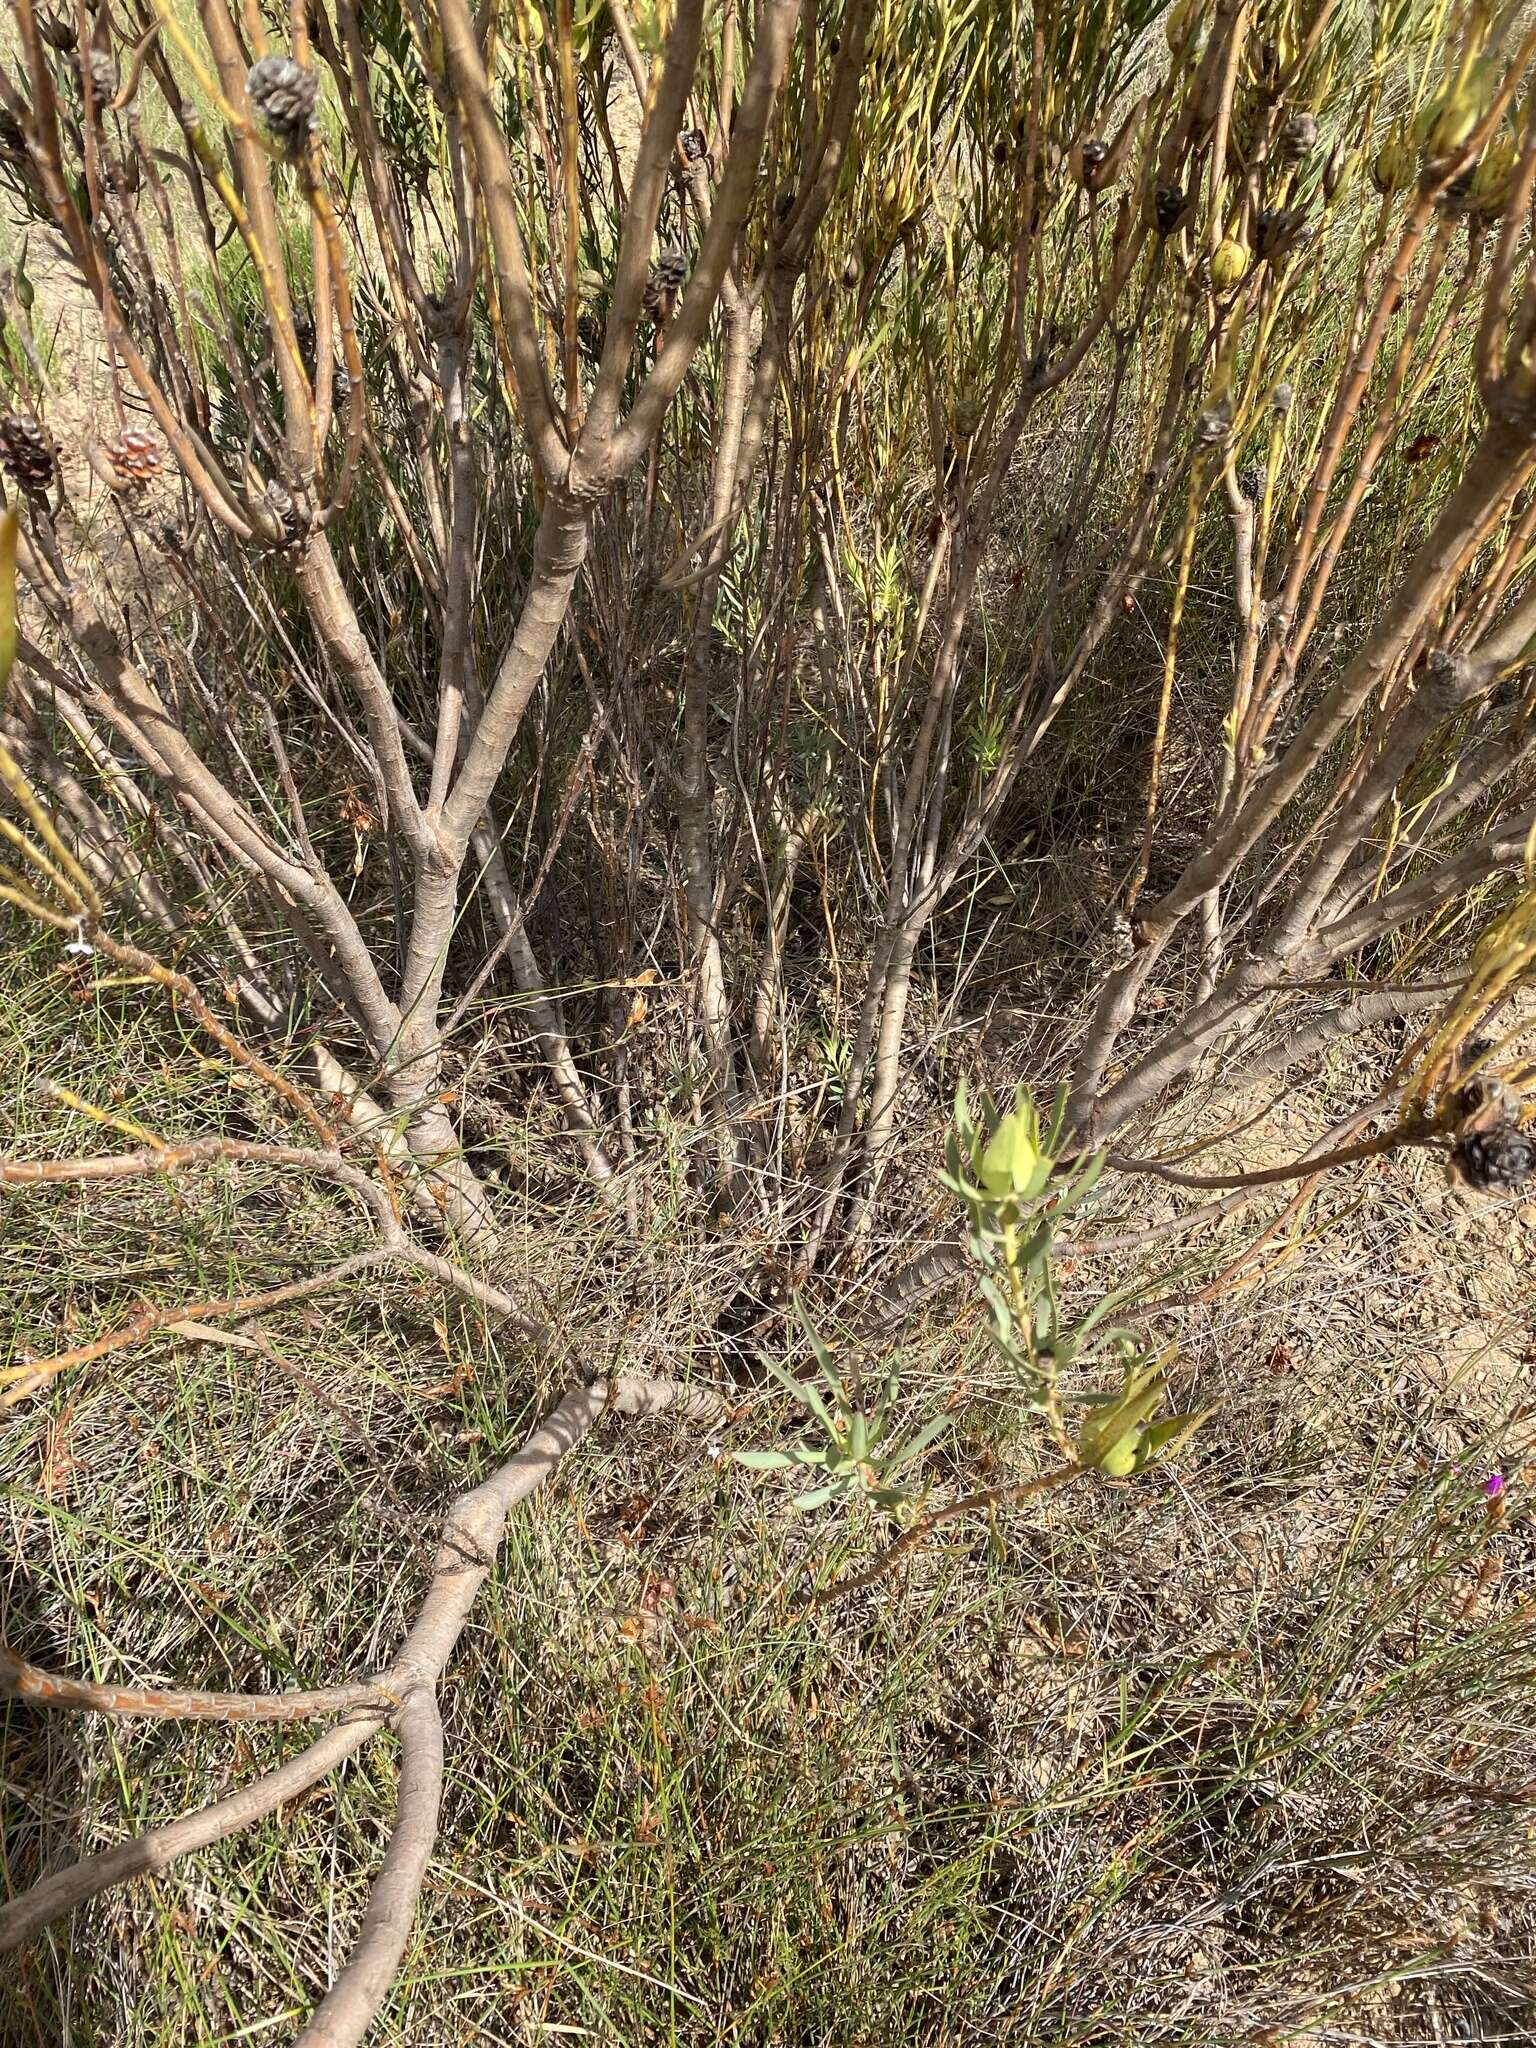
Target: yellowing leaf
x=1119, y=1461
x=997, y=1161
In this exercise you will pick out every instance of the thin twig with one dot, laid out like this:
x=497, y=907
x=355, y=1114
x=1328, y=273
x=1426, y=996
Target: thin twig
x=921, y=1530
x=1297, y=1169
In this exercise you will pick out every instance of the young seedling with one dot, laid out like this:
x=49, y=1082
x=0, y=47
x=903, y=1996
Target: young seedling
x=858, y=1456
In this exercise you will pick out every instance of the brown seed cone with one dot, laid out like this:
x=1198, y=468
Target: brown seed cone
x=133, y=455
x=285, y=93
x=669, y=273
x=27, y=452
x=1498, y=1160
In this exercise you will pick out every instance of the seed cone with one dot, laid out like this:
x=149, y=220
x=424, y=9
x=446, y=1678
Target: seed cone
x=1228, y=264
x=1169, y=206
x=1214, y=424
x=663, y=288
x=1090, y=158
x=103, y=74
x=1500, y=1159
x=26, y=451
x=1394, y=165
x=133, y=456
x=1277, y=230
x=1298, y=138
x=284, y=93
x=276, y=500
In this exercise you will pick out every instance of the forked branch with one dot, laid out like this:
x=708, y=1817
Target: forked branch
x=404, y=1698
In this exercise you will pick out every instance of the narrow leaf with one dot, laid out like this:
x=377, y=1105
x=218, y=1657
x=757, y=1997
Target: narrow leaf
x=819, y=1495
x=928, y=1434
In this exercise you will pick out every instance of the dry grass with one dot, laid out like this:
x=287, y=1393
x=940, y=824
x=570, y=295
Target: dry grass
x=1238, y=1752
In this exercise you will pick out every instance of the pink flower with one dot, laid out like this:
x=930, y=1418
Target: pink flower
x=1493, y=1485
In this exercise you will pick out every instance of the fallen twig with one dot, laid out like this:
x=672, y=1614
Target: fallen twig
x=20, y=1680
x=405, y=1698
x=394, y=1245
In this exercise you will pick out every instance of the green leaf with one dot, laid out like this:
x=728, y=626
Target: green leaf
x=1173, y=1430
x=997, y=1161
x=1035, y=1252
x=1002, y=1315
x=967, y=1190
x=914, y=1448
x=822, y=1352
x=1117, y=1333
x=763, y=1461
x=1100, y=1433
x=805, y=1394
x=1052, y=1140
x=1027, y=1161
x=819, y=1495
x=1090, y=1400
x=1119, y=1459
x=785, y=1378
x=1086, y=1182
